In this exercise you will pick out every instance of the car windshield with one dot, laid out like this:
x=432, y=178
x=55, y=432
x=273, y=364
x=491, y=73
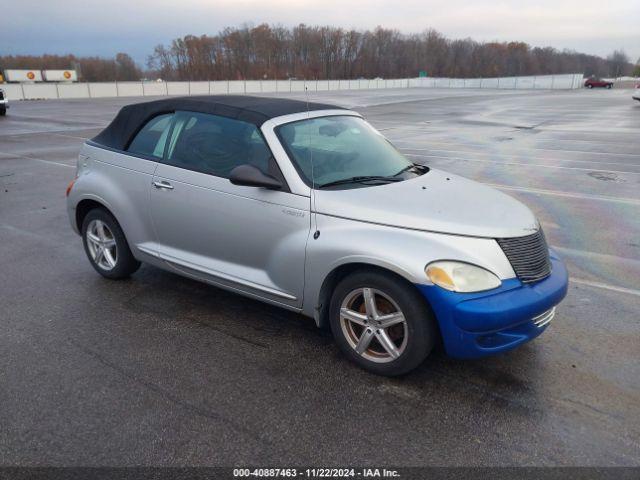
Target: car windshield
x=343, y=148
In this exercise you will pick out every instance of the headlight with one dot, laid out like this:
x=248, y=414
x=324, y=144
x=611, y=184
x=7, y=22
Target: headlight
x=461, y=277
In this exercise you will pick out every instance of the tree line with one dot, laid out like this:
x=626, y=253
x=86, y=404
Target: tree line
x=324, y=52
x=315, y=52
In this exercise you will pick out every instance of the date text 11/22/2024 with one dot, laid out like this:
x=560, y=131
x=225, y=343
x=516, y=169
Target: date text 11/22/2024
x=316, y=473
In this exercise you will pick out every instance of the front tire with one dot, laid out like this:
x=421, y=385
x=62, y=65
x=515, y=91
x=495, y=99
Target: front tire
x=3, y=111
x=381, y=322
x=106, y=246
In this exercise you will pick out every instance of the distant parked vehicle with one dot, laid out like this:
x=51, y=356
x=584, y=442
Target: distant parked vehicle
x=4, y=103
x=636, y=93
x=597, y=83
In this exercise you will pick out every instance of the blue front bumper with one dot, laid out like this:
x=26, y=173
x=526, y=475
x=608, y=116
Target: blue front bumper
x=485, y=323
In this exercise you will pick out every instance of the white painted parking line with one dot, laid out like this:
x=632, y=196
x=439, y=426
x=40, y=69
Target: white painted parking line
x=582, y=196
x=488, y=144
x=587, y=151
x=57, y=132
x=67, y=136
x=581, y=140
x=541, y=165
x=605, y=286
x=597, y=256
x=51, y=162
x=491, y=154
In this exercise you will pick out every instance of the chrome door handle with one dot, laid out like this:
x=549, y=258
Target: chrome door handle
x=163, y=184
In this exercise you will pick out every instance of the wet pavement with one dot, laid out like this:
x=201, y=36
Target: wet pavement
x=162, y=370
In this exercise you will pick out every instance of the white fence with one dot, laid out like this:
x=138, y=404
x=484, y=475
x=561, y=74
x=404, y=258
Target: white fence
x=30, y=91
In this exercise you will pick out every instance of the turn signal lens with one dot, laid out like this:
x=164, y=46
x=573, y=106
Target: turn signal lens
x=461, y=277
x=70, y=186
x=440, y=277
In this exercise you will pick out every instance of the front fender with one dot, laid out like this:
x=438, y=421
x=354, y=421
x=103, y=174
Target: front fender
x=402, y=251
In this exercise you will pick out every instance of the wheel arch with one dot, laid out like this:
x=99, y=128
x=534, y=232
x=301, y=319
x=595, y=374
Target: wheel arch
x=341, y=271
x=85, y=205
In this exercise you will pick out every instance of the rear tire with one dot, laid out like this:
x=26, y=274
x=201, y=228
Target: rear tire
x=106, y=246
x=381, y=322
x=3, y=111
x=609, y=86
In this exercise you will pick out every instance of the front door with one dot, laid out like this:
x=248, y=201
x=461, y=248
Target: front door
x=244, y=238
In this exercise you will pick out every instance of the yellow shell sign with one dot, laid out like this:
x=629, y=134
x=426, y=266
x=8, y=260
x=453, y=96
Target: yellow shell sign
x=67, y=75
x=31, y=75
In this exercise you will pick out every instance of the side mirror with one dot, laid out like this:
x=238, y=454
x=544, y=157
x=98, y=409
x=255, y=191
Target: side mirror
x=251, y=176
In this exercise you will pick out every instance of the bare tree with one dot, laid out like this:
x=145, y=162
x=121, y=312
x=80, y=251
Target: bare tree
x=618, y=63
x=126, y=68
x=636, y=69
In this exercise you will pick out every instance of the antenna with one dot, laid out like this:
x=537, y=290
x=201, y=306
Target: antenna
x=312, y=199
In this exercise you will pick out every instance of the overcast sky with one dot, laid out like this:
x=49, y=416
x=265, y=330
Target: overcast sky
x=105, y=27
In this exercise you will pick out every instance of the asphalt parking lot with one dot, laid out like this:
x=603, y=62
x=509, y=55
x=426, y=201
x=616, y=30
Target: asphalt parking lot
x=161, y=370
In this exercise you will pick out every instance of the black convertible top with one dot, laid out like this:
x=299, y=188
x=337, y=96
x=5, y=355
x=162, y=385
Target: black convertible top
x=256, y=110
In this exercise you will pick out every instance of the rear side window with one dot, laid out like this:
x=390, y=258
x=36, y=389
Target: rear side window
x=150, y=141
x=216, y=145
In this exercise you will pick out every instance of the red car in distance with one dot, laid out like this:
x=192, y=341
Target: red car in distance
x=594, y=82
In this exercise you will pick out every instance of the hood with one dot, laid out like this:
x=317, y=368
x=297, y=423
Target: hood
x=436, y=202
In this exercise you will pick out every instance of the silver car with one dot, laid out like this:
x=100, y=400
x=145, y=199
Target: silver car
x=308, y=207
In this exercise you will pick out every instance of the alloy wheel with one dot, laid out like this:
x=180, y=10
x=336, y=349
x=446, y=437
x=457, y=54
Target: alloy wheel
x=102, y=245
x=373, y=325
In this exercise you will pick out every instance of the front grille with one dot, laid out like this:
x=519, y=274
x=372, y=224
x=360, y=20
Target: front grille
x=529, y=256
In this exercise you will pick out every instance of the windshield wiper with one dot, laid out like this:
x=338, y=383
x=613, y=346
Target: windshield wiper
x=361, y=179
x=412, y=166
